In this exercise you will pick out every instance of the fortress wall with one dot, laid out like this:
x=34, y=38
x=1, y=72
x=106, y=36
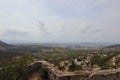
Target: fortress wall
x=75, y=77
x=99, y=75
x=102, y=75
x=110, y=76
x=52, y=75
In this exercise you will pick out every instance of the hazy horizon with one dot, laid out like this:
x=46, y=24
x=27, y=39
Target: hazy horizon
x=57, y=21
x=60, y=43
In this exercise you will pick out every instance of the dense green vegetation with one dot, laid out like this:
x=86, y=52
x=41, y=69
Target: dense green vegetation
x=14, y=68
x=55, y=58
x=102, y=61
x=70, y=55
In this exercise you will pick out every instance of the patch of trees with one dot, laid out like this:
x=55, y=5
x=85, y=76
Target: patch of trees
x=14, y=68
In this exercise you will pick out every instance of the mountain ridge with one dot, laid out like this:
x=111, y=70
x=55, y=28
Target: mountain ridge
x=3, y=44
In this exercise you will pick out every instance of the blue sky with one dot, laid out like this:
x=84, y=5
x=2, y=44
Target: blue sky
x=60, y=21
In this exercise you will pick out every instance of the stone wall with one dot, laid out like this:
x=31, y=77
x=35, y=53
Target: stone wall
x=55, y=74
x=106, y=75
x=99, y=75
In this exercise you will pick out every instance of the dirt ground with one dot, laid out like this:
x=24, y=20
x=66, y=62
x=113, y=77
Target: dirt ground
x=35, y=76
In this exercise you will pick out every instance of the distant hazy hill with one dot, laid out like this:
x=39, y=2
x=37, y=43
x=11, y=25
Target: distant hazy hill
x=5, y=51
x=3, y=44
x=113, y=47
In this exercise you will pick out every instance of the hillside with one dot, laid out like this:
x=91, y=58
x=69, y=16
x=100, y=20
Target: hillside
x=112, y=47
x=7, y=50
x=3, y=44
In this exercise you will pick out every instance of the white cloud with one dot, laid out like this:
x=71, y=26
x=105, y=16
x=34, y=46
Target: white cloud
x=61, y=20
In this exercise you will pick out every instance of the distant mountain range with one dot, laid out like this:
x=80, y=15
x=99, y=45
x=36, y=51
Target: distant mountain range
x=84, y=44
x=11, y=50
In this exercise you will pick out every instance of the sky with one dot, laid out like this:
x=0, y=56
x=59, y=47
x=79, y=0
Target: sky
x=52, y=21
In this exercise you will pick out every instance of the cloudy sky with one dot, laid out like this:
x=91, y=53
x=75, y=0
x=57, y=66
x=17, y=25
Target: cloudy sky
x=60, y=21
